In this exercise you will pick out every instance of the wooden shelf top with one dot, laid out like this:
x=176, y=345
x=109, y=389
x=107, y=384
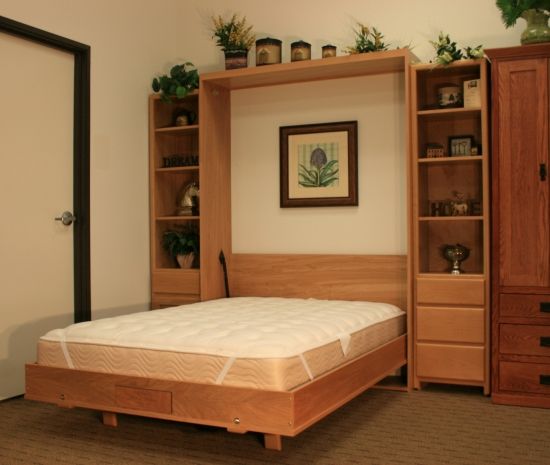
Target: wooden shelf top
x=390, y=61
x=448, y=111
x=444, y=160
x=440, y=275
x=176, y=129
x=177, y=169
x=177, y=218
x=454, y=65
x=450, y=218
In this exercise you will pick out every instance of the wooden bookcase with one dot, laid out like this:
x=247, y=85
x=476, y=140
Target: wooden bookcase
x=450, y=205
x=173, y=164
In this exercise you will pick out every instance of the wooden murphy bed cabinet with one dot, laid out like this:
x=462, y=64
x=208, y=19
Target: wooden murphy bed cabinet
x=450, y=205
x=521, y=232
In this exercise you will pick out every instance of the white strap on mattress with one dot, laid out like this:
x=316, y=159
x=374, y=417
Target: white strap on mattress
x=306, y=366
x=344, y=342
x=65, y=350
x=225, y=369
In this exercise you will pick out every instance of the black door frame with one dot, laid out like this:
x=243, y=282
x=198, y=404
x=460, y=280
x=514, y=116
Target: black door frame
x=81, y=154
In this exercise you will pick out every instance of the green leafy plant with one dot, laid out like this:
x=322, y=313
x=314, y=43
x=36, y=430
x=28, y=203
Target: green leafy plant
x=181, y=241
x=367, y=40
x=178, y=83
x=511, y=10
x=322, y=173
x=234, y=34
x=474, y=52
x=446, y=50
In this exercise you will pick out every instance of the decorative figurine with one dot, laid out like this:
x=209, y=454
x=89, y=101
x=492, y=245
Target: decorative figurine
x=188, y=200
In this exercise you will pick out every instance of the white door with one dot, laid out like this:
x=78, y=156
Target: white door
x=36, y=185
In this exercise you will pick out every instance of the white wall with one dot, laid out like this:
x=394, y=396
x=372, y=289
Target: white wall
x=133, y=40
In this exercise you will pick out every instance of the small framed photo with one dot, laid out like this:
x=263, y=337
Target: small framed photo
x=460, y=146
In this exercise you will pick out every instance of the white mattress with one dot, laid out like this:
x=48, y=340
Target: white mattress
x=273, y=343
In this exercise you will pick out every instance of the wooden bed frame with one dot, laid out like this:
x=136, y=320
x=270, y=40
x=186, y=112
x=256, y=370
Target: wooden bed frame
x=273, y=413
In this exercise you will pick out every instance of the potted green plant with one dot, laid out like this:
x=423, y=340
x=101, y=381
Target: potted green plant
x=234, y=37
x=181, y=80
x=367, y=40
x=534, y=12
x=182, y=244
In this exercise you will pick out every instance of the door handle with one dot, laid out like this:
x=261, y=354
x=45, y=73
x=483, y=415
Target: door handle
x=67, y=218
x=542, y=171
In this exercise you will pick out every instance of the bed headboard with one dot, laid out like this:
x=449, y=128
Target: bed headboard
x=379, y=278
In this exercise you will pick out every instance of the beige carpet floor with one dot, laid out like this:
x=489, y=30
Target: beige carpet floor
x=436, y=426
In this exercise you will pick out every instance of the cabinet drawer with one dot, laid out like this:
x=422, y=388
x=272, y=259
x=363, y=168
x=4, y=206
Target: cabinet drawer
x=160, y=300
x=525, y=377
x=452, y=290
x=176, y=281
x=448, y=324
x=524, y=339
x=522, y=305
x=452, y=362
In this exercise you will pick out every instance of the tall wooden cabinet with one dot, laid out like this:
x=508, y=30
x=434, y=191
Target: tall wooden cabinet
x=521, y=232
x=450, y=205
x=173, y=164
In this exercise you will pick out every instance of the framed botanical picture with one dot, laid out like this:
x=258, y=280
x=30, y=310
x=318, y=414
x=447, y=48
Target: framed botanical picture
x=460, y=146
x=318, y=164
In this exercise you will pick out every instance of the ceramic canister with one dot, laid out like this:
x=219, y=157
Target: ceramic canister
x=268, y=51
x=328, y=51
x=300, y=50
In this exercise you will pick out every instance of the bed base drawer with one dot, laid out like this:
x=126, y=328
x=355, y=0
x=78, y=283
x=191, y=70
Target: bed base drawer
x=148, y=400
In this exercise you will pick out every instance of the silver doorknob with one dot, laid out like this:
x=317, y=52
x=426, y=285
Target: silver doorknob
x=66, y=218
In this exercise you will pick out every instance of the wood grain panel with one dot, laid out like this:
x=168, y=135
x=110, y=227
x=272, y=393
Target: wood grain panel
x=380, y=278
x=448, y=324
x=453, y=290
x=257, y=410
x=450, y=362
x=215, y=186
x=524, y=339
x=316, y=400
x=523, y=229
x=237, y=409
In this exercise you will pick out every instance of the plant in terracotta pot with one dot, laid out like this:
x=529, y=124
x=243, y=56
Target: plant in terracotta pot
x=183, y=244
x=234, y=37
x=181, y=80
x=534, y=12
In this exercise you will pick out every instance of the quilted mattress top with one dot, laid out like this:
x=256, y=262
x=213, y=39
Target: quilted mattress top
x=246, y=327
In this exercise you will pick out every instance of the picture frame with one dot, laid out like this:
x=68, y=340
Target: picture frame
x=318, y=165
x=460, y=146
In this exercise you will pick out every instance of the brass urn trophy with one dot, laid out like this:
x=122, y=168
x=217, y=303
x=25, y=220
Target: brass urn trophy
x=456, y=254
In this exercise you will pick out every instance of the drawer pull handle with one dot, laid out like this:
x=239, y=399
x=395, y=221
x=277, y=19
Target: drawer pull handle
x=545, y=379
x=545, y=307
x=545, y=341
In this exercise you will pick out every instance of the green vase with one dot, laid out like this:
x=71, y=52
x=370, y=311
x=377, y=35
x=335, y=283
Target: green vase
x=537, y=27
